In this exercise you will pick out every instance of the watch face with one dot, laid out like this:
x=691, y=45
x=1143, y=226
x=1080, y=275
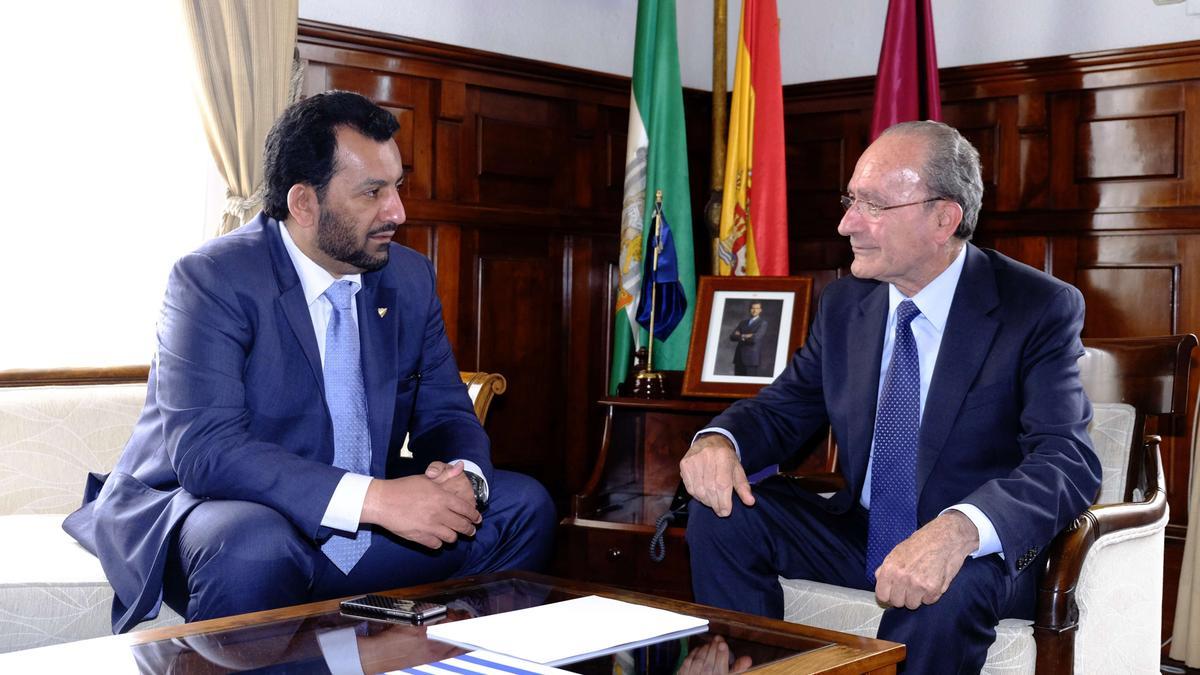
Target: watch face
x=476, y=487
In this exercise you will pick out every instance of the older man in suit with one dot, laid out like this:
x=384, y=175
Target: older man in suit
x=294, y=356
x=949, y=375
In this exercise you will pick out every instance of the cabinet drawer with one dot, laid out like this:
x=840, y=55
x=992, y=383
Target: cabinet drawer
x=621, y=557
x=673, y=576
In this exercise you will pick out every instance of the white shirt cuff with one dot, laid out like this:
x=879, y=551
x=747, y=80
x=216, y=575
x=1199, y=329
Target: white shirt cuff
x=468, y=465
x=726, y=434
x=339, y=648
x=346, y=504
x=989, y=541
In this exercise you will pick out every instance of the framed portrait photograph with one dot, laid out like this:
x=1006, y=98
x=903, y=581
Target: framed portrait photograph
x=745, y=331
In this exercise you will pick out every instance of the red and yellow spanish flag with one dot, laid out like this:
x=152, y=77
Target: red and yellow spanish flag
x=753, y=235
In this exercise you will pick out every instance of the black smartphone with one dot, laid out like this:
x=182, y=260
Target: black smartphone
x=392, y=609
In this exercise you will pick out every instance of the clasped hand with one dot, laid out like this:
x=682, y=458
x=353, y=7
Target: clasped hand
x=711, y=473
x=431, y=510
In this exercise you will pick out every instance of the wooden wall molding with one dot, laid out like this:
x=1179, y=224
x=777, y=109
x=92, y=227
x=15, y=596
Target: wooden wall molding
x=1092, y=70
x=357, y=46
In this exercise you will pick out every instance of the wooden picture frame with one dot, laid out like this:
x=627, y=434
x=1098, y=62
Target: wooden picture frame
x=727, y=357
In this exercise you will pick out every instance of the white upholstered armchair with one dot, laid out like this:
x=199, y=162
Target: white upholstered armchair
x=1099, y=606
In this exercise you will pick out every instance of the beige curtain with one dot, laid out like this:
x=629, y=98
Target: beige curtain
x=1185, y=641
x=243, y=52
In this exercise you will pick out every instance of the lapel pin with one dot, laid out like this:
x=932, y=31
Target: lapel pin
x=382, y=311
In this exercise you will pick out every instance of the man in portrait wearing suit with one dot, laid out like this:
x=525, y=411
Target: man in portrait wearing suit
x=748, y=335
x=949, y=375
x=294, y=356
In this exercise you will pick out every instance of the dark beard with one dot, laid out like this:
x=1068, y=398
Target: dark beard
x=335, y=238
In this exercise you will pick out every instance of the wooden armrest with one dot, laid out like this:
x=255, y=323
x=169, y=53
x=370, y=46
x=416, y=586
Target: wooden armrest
x=490, y=384
x=37, y=377
x=1056, y=608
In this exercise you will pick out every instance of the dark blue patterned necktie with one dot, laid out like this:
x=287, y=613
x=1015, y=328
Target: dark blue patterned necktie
x=347, y=400
x=893, y=515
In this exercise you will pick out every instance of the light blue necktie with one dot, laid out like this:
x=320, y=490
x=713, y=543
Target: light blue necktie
x=347, y=400
x=893, y=514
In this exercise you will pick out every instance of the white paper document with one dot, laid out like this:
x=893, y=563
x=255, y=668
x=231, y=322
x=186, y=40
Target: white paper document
x=568, y=631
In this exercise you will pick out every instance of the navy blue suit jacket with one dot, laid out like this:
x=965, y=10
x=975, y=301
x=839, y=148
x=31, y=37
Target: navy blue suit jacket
x=1005, y=421
x=236, y=404
x=748, y=352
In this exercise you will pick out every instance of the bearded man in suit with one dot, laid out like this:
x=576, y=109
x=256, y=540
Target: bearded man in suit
x=294, y=356
x=949, y=376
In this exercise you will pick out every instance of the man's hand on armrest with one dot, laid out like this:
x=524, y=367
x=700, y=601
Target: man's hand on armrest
x=711, y=473
x=421, y=510
x=919, y=570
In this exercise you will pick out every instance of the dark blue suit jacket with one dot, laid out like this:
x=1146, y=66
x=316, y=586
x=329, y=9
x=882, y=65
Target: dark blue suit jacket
x=1005, y=421
x=748, y=352
x=236, y=404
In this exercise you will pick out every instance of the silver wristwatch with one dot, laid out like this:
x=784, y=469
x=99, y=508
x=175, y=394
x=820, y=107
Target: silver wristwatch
x=478, y=487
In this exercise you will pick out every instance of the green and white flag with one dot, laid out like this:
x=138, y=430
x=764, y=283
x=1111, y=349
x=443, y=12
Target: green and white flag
x=655, y=159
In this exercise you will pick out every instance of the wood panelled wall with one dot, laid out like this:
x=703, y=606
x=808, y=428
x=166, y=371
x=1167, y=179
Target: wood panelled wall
x=514, y=180
x=1091, y=166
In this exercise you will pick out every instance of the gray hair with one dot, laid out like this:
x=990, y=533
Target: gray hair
x=951, y=169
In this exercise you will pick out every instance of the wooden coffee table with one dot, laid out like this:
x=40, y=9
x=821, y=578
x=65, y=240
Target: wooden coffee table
x=303, y=638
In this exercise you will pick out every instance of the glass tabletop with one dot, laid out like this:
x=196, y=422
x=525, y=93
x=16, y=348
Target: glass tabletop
x=336, y=643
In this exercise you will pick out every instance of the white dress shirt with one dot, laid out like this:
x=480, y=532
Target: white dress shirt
x=345, y=506
x=934, y=302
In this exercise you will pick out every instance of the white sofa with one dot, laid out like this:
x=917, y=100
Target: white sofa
x=51, y=436
x=55, y=427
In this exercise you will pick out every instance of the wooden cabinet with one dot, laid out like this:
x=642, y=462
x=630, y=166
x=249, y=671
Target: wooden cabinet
x=606, y=537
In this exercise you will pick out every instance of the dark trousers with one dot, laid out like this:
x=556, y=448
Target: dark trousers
x=231, y=557
x=736, y=562
x=741, y=369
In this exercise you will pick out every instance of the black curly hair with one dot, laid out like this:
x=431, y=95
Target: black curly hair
x=301, y=145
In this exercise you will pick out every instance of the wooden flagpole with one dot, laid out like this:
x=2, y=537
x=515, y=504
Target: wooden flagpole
x=720, y=71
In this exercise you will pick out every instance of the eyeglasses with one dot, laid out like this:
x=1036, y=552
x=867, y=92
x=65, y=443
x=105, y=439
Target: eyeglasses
x=874, y=211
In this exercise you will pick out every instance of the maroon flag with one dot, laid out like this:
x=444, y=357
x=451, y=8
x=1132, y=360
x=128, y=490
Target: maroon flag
x=906, y=87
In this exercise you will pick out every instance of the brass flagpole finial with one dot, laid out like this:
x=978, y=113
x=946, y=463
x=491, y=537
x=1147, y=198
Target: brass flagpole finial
x=649, y=383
